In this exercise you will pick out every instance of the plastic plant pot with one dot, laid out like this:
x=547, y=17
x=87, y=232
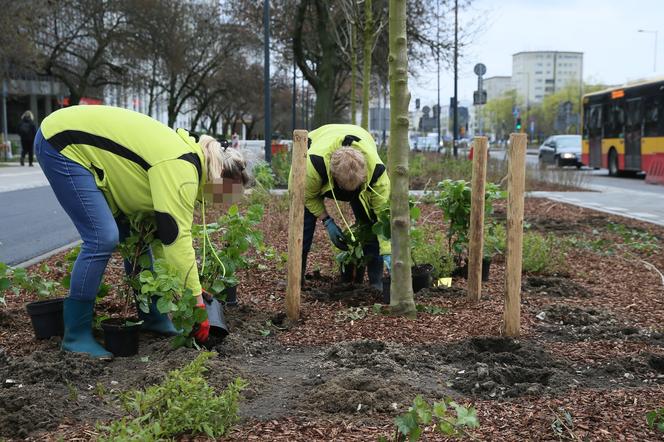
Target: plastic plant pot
x=46, y=317
x=231, y=296
x=120, y=338
x=463, y=270
x=421, y=275
x=215, y=312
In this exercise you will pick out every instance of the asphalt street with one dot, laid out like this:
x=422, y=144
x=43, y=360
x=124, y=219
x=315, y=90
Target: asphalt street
x=33, y=223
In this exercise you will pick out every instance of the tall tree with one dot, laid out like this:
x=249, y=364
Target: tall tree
x=77, y=41
x=18, y=24
x=401, y=289
x=368, y=32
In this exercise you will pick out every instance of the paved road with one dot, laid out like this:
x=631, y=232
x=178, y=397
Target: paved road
x=32, y=223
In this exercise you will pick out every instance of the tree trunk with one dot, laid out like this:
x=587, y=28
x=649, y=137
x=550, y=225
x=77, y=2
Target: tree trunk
x=401, y=289
x=366, y=68
x=353, y=73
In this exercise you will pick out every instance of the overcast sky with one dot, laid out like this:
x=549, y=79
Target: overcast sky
x=604, y=30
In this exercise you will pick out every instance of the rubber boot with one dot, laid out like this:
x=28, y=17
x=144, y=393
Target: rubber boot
x=156, y=322
x=375, y=273
x=78, y=337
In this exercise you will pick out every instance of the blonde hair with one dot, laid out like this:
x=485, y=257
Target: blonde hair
x=220, y=162
x=348, y=168
x=28, y=114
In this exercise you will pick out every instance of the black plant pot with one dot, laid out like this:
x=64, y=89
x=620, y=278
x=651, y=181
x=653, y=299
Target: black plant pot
x=352, y=274
x=231, y=296
x=46, y=318
x=463, y=270
x=120, y=339
x=421, y=274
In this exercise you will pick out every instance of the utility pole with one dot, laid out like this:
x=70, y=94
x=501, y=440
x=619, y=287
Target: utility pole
x=455, y=122
x=438, y=67
x=654, y=64
x=266, y=81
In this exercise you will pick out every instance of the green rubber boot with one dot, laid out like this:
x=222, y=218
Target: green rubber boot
x=156, y=322
x=78, y=329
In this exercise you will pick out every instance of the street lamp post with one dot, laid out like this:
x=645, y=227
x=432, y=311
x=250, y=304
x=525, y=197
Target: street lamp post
x=266, y=82
x=647, y=31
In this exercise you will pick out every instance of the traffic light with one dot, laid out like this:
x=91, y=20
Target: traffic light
x=518, y=124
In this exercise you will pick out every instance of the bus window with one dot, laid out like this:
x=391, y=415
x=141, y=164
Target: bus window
x=653, y=115
x=634, y=117
x=614, y=119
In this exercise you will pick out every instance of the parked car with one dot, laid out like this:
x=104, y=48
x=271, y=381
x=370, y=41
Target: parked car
x=561, y=150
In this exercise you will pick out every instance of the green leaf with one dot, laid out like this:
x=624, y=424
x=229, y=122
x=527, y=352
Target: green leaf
x=466, y=417
x=439, y=410
x=4, y=283
x=165, y=305
x=406, y=423
x=446, y=428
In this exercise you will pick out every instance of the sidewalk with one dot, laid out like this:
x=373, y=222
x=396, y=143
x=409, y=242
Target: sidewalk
x=15, y=177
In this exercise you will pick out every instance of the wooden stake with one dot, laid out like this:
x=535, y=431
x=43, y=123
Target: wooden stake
x=516, y=178
x=476, y=239
x=295, y=223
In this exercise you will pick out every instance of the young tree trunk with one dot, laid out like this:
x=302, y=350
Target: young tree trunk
x=366, y=68
x=401, y=289
x=353, y=73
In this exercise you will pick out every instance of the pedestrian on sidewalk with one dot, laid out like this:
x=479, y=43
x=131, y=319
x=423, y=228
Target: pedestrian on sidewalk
x=343, y=165
x=27, y=130
x=107, y=164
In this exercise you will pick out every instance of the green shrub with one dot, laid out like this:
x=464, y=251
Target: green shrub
x=183, y=403
x=495, y=240
x=263, y=175
x=542, y=254
x=281, y=163
x=433, y=250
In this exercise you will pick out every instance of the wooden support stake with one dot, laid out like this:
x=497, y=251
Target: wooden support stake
x=516, y=183
x=295, y=223
x=476, y=239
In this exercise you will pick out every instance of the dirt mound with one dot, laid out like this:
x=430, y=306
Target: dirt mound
x=502, y=367
x=579, y=324
x=382, y=358
x=359, y=390
x=555, y=287
x=442, y=292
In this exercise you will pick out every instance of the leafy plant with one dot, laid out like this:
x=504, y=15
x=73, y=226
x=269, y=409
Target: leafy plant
x=263, y=175
x=15, y=279
x=431, y=249
x=495, y=240
x=431, y=309
x=281, y=162
x=165, y=282
x=454, y=198
x=563, y=424
x=355, y=239
x=655, y=419
x=183, y=403
x=237, y=234
x=409, y=426
x=542, y=254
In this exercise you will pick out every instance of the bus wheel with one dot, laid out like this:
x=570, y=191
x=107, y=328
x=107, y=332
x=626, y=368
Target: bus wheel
x=613, y=163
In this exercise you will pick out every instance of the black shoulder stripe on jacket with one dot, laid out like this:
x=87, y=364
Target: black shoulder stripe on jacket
x=377, y=173
x=319, y=164
x=67, y=137
x=195, y=160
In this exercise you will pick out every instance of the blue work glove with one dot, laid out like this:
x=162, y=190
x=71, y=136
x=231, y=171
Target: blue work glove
x=335, y=234
x=387, y=259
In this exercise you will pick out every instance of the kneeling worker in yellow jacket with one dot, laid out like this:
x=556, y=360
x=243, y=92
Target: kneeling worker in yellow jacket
x=343, y=164
x=107, y=164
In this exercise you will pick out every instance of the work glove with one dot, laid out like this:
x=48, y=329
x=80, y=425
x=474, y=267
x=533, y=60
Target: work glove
x=335, y=234
x=387, y=259
x=202, y=331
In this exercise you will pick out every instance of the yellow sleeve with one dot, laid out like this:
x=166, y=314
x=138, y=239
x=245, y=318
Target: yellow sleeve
x=174, y=186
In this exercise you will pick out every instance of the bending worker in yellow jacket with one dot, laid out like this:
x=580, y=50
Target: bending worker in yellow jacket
x=107, y=164
x=343, y=164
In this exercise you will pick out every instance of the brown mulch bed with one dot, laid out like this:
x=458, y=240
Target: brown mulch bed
x=620, y=299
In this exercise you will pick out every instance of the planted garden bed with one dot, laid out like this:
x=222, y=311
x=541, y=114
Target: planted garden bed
x=592, y=345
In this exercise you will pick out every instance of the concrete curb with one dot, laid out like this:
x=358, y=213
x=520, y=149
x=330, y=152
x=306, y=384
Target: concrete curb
x=44, y=256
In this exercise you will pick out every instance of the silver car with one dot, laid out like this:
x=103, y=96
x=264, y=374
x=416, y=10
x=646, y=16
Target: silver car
x=561, y=150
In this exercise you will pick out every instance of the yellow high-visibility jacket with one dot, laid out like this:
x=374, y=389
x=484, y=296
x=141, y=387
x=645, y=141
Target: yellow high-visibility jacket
x=141, y=166
x=374, y=194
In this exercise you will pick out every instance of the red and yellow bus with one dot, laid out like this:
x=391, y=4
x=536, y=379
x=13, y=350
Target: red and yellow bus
x=623, y=127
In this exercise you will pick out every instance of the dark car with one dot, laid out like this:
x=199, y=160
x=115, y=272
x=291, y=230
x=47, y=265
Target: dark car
x=561, y=150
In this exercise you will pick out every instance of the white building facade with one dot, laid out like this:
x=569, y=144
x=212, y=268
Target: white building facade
x=497, y=86
x=540, y=73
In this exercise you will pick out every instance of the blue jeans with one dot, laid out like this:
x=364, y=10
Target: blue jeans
x=76, y=190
